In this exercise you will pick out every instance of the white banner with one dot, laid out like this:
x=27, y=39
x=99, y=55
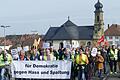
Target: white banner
x=41, y=69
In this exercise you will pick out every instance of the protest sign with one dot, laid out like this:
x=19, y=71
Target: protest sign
x=41, y=69
x=46, y=45
x=26, y=48
x=19, y=49
x=14, y=53
x=94, y=52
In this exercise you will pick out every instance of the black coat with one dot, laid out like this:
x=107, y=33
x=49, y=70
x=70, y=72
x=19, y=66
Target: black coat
x=119, y=55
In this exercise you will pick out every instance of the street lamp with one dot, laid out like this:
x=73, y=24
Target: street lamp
x=4, y=35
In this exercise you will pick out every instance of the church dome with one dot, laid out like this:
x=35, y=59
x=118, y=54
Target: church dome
x=98, y=5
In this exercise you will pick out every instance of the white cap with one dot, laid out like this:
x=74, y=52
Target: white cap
x=113, y=44
x=99, y=52
x=52, y=47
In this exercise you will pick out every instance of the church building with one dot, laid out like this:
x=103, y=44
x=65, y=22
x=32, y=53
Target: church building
x=72, y=35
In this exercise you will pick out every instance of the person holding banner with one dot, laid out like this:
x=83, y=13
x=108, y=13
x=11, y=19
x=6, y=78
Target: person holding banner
x=43, y=55
x=35, y=54
x=51, y=54
x=22, y=55
x=55, y=53
x=28, y=55
x=61, y=53
x=67, y=55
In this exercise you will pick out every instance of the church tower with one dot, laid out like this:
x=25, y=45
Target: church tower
x=99, y=21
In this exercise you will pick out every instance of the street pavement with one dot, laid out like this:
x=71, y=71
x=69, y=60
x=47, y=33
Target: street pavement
x=113, y=77
x=108, y=77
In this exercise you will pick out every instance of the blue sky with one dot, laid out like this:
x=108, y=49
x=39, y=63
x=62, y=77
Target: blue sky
x=25, y=16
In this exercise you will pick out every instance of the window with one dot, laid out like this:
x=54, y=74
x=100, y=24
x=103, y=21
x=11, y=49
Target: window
x=51, y=44
x=61, y=45
x=117, y=42
x=98, y=18
x=110, y=37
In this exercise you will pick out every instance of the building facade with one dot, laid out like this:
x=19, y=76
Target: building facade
x=112, y=34
x=71, y=35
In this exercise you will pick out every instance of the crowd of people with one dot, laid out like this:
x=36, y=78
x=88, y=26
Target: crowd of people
x=90, y=61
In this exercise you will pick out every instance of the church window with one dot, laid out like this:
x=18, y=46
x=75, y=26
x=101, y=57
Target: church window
x=98, y=18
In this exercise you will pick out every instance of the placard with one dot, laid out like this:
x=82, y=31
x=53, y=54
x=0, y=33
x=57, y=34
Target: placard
x=41, y=69
x=46, y=45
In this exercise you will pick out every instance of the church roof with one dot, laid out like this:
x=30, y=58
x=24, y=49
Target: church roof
x=113, y=30
x=98, y=5
x=70, y=31
x=69, y=23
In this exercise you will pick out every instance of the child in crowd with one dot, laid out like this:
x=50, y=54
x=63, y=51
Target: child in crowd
x=100, y=61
